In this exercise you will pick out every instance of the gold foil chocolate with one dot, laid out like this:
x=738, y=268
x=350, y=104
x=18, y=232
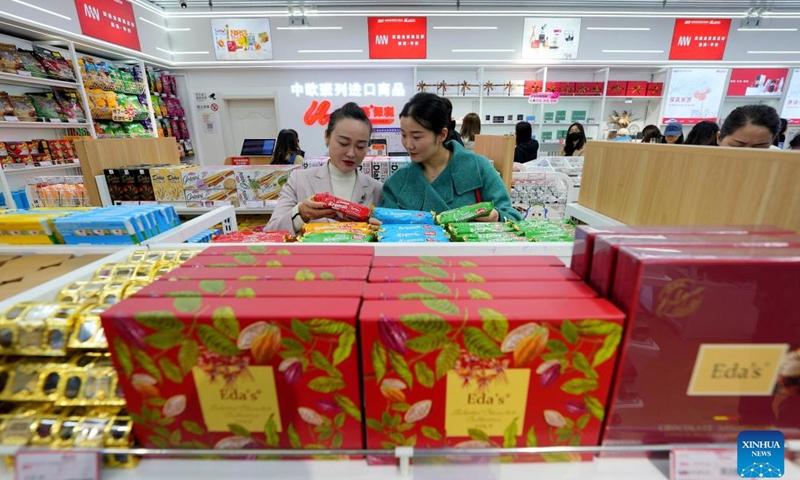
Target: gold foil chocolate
x=37, y=328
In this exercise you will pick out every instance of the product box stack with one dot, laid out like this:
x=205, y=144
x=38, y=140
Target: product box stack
x=229, y=376
x=712, y=345
x=260, y=186
x=480, y=352
x=167, y=181
x=210, y=186
x=115, y=225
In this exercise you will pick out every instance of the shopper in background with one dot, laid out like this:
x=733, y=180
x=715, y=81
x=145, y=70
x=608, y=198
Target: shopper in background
x=442, y=174
x=781, y=138
x=673, y=133
x=347, y=139
x=527, y=147
x=299, y=150
x=704, y=133
x=287, y=150
x=451, y=124
x=795, y=143
x=651, y=134
x=622, y=136
x=750, y=126
x=470, y=127
x=575, y=142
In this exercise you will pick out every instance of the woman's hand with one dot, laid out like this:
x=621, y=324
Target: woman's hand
x=494, y=216
x=311, y=210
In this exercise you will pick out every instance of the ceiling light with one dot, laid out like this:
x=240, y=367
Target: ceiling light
x=771, y=52
x=766, y=29
x=621, y=29
x=181, y=53
x=166, y=29
x=42, y=9
x=331, y=51
x=633, y=51
x=309, y=28
x=465, y=28
x=482, y=50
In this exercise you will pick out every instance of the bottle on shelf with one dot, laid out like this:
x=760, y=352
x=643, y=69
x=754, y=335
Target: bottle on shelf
x=534, y=38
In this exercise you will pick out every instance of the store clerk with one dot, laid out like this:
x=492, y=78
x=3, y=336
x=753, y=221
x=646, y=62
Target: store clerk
x=347, y=139
x=442, y=174
x=750, y=126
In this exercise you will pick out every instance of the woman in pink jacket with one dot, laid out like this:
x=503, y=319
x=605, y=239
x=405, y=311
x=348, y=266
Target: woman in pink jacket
x=347, y=139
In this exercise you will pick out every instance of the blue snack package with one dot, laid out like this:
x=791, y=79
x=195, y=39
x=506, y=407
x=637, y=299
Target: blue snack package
x=396, y=216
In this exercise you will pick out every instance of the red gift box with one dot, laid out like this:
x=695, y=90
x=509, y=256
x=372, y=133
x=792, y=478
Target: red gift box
x=218, y=373
x=249, y=289
x=476, y=275
x=277, y=261
x=291, y=250
x=616, y=88
x=472, y=291
x=298, y=274
x=584, y=238
x=553, y=87
x=705, y=353
x=654, y=89
x=636, y=89
x=487, y=374
x=597, y=89
x=606, y=248
x=567, y=88
x=494, y=261
x=584, y=89
x=532, y=86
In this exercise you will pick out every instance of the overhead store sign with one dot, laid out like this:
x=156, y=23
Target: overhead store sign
x=348, y=89
x=699, y=39
x=694, y=94
x=398, y=37
x=242, y=39
x=112, y=21
x=754, y=82
x=791, y=105
x=554, y=38
x=319, y=113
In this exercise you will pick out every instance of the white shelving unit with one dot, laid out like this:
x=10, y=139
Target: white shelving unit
x=591, y=217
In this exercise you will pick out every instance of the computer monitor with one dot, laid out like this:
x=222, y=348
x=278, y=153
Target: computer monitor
x=258, y=146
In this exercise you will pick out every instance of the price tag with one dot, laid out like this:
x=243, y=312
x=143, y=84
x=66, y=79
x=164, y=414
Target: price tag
x=11, y=118
x=55, y=120
x=73, y=120
x=148, y=202
x=46, y=163
x=240, y=160
x=24, y=73
x=42, y=465
x=703, y=464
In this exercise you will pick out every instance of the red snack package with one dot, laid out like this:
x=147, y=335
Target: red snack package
x=345, y=210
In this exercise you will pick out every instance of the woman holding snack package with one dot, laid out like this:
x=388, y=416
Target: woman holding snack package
x=347, y=138
x=442, y=174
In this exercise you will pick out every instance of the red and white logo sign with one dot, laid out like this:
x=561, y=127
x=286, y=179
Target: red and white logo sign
x=317, y=112
x=752, y=82
x=109, y=20
x=699, y=38
x=214, y=107
x=398, y=37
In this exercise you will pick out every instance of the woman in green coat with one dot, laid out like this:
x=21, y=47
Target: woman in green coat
x=442, y=175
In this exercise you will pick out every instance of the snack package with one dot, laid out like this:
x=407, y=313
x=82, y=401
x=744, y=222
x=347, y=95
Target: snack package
x=490, y=237
x=54, y=64
x=409, y=228
x=135, y=130
x=413, y=238
x=162, y=107
x=46, y=105
x=335, y=238
x=30, y=64
x=9, y=63
x=466, y=213
x=175, y=130
x=6, y=108
x=465, y=228
x=345, y=210
x=24, y=109
x=184, y=129
x=397, y=216
x=338, y=227
x=98, y=97
x=70, y=103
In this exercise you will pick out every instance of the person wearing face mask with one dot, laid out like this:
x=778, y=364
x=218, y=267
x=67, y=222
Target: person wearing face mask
x=575, y=143
x=442, y=174
x=750, y=126
x=347, y=138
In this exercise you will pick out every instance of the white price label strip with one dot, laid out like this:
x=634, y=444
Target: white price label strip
x=39, y=465
x=703, y=464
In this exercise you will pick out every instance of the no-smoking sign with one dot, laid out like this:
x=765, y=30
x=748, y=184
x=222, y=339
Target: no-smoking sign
x=214, y=107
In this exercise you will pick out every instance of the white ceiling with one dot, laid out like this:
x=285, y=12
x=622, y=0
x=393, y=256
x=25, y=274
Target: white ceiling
x=563, y=5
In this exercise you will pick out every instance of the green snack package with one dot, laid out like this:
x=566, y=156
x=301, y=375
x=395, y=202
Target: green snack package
x=466, y=213
x=507, y=239
x=479, y=227
x=335, y=238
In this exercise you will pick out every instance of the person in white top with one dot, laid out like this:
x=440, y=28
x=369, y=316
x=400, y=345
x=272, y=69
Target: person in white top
x=347, y=138
x=750, y=126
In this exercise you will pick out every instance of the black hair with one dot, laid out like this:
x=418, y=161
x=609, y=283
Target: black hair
x=523, y=132
x=581, y=140
x=759, y=115
x=348, y=110
x=704, y=133
x=794, y=144
x=429, y=110
x=285, y=145
x=679, y=141
x=649, y=132
x=572, y=143
x=781, y=137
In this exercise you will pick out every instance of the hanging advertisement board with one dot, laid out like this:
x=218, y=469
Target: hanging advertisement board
x=694, y=94
x=242, y=38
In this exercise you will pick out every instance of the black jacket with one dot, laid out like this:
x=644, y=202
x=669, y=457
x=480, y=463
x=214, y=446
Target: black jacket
x=525, y=152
